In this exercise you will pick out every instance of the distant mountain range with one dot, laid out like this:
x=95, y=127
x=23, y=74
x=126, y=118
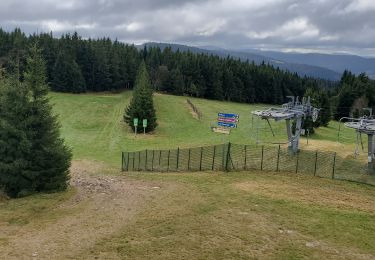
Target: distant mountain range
x=325, y=66
x=335, y=62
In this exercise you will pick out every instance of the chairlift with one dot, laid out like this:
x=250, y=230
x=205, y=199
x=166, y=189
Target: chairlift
x=294, y=110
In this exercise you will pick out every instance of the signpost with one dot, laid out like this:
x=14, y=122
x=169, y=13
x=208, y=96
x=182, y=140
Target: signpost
x=135, y=122
x=226, y=115
x=144, y=126
x=226, y=121
x=230, y=125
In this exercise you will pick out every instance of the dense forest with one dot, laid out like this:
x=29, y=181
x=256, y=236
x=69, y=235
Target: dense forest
x=79, y=65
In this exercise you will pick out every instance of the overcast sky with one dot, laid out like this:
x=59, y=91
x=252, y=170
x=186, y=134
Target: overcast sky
x=288, y=25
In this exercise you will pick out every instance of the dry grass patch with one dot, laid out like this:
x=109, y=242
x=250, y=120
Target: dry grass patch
x=343, y=150
x=63, y=225
x=207, y=216
x=314, y=191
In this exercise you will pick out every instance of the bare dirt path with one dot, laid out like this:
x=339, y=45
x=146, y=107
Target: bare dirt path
x=101, y=206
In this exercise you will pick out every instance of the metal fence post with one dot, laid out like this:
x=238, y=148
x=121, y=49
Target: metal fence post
x=316, y=161
x=189, y=160
x=333, y=166
x=200, y=163
x=228, y=157
x=278, y=159
x=178, y=155
x=261, y=162
x=213, y=158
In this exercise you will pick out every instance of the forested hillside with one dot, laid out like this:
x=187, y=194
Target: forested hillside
x=300, y=68
x=79, y=65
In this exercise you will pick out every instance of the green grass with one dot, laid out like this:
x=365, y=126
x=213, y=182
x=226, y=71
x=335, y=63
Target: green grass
x=208, y=217
x=22, y=211
x=92, y=125
x=201, y=215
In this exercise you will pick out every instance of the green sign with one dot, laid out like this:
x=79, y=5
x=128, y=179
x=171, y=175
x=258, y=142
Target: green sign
x=135, y=121
x=144, y=122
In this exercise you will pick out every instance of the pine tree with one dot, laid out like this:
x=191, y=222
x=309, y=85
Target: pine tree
x=33, y=157
x=50, y=157
x=142, y=106
x=66, y=75
x=15, y=145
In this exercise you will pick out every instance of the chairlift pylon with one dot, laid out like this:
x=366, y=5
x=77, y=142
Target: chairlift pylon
x=294, y=110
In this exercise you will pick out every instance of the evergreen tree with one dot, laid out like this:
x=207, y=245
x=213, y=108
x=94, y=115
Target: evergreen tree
x=15, y=145
x=175, y=82
x=320, y=99
x=33, y=157
x=67, y=76
x=142, y=106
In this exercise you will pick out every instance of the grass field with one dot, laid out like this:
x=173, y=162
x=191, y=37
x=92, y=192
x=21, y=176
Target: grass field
x=206, y=215
x=92, y=125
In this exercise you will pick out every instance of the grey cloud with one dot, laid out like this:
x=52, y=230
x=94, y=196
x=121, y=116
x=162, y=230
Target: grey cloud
x=327, y=25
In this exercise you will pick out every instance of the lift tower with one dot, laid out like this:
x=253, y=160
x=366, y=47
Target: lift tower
x=366, y=125
x=294, y=110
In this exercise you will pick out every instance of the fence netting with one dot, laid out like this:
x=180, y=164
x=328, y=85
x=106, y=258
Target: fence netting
x=237, y=157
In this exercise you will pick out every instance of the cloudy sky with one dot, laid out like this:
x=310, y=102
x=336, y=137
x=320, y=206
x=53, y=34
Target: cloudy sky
x=288, y=25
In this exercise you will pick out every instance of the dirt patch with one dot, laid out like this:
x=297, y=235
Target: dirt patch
x=193, y=110
x=102, y=205
x=324, y=195
x=343, y=150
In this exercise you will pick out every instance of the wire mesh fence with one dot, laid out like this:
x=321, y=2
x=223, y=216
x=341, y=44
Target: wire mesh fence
x=237, y=157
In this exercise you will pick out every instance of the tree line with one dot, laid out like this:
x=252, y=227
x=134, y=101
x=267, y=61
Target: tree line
x=78, y=65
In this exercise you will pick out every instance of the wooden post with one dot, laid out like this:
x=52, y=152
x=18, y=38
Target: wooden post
x=152, y=162
x=122, y=161
x=133, y=160
x=159, y=159
x=278, y=159
x=146, y=161
x=245, y=163
x=261, y=162
x=178, y=155
x=213, y=158
x=127, y=165
x=223, y=157
x=200, y=163
x=139, y=160
x=334, y=165
x=316, y=161
x=189, y=160
x=169, y=154
x=228, y=157
x=297, y=162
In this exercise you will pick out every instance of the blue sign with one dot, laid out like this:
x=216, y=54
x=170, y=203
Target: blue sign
x=230, y=125
x=228, y=115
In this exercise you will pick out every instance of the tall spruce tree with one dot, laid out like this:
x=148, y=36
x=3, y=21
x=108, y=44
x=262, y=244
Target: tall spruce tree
x=142, y=106
x=14, y=143
x=33, y=157
x=66, y=75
